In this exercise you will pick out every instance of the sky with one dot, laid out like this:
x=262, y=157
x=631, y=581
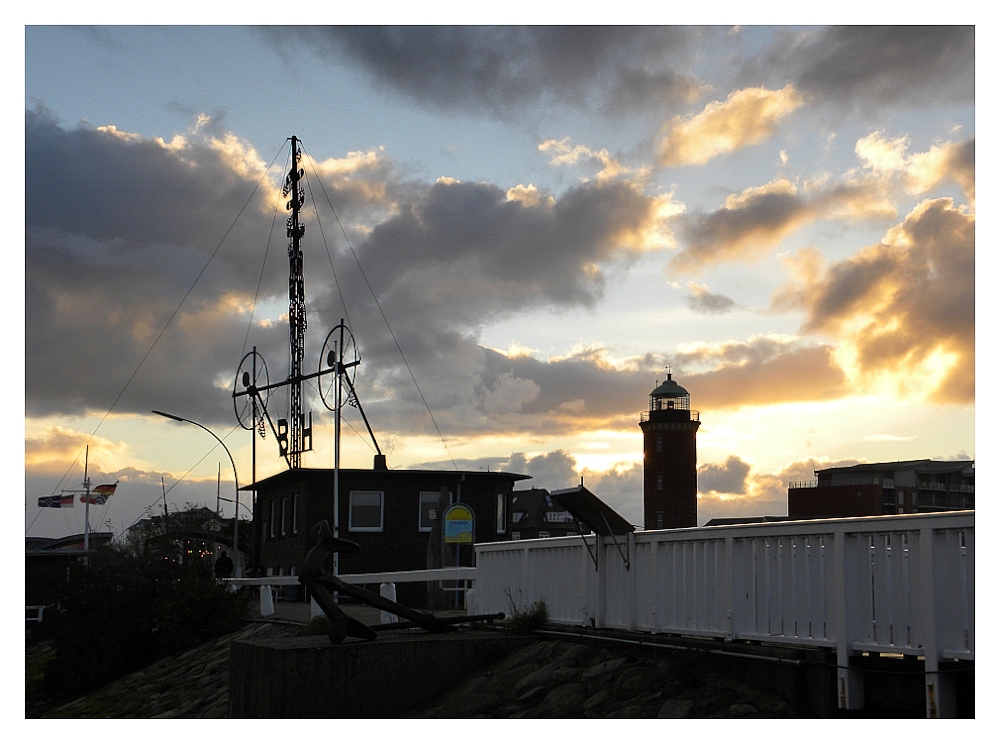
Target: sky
x=522, y=227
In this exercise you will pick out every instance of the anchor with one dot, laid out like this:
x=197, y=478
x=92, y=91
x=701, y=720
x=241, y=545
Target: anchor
x=322, y=584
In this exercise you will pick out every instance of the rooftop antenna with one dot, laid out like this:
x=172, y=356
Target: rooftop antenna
x=339, y=357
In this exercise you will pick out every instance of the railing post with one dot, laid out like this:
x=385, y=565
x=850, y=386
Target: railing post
x=728, y=589
x=266, y=601
x=850, y=681
x=600, y=611
x=387, y=590
x=938, y=566
x=630, y=581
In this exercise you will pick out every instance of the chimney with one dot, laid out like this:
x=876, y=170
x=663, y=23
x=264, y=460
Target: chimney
x=380, y=463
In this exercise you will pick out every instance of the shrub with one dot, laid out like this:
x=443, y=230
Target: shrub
x=122, y=611
x=528, y=620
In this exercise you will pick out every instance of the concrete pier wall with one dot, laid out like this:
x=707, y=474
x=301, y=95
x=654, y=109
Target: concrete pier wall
x=309, y=677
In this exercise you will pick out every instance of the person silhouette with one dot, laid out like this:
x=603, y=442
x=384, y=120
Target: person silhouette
x=223, y=566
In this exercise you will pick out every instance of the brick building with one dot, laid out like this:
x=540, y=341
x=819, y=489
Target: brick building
x=909, y=487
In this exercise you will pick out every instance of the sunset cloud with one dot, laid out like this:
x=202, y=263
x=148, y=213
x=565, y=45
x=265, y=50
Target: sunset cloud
x=921, y=172
x=747, y=117
x=747, y=226
x=702, y=301
x=904, y=303
x=564, y=153
x=504, y=71
x=759, y=372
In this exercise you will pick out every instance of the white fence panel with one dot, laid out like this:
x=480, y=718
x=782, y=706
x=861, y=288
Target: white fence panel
x=551, y=570
x=782, y=585
x=895, y=584
x=689, y=584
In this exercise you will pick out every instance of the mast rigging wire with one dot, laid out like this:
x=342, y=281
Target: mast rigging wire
x=384, y=318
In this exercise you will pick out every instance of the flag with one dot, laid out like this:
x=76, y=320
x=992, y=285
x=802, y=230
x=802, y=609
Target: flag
x=100, y=494
x=56, y=502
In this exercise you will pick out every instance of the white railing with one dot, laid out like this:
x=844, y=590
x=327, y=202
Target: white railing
x=387, y=581
x=902, y=584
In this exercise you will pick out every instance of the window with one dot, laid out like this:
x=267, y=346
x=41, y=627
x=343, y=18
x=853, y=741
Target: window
x=659, y=443
x=501, y=513
x=274, y=517
x=515, y=535
x=284, y=512
x=659, y=481
x=659, y=520
x=366, y=511
x=295, y=514
x=428, y=509
x=543, y=533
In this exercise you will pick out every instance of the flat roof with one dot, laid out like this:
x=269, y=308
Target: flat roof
x=929, y=465
x=590, y=511
x=402, y=472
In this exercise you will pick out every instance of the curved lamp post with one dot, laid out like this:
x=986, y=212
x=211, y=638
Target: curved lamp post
x=236, y=518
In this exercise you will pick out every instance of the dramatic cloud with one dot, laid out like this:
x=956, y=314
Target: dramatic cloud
x=904, y=305
x=736, y=489
x=756, y=220
x=874, y=66
x=700, y=300
x=563, y=153
x=730, y=477
x=58, y=444
x=921, y=172
x=747, y=117
x=763, y=371
x=500, y=70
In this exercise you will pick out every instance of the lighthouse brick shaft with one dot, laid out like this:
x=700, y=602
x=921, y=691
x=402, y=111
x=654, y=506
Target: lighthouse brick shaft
x=670, y=459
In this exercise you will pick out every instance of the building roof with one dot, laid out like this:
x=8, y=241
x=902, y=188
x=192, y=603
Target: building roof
x=670, y=389
x=592, y=512
x=68, y=544
x=930, y=466
x=401, y=473
x=723, y=521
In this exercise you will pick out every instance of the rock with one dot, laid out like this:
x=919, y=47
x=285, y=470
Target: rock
x=572, y=694
x=605, y=667
x=469, y=705
x=597, y=699
x=542, y=676
x=676, y=709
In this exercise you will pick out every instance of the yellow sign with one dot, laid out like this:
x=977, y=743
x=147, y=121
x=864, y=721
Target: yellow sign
x=459, y=524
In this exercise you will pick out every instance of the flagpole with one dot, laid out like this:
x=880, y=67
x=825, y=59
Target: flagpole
x=86, y=511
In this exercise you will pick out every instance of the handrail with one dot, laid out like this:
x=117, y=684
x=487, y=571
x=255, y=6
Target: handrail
x=459, y=573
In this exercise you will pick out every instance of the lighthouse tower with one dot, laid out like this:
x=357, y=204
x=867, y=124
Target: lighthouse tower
x=670, y=458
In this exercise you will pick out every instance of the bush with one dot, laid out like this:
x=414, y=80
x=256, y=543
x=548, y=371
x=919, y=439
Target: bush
x=123, y=611
x=528, y=620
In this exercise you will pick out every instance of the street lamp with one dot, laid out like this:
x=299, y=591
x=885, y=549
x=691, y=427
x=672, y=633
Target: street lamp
x=236, y=517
